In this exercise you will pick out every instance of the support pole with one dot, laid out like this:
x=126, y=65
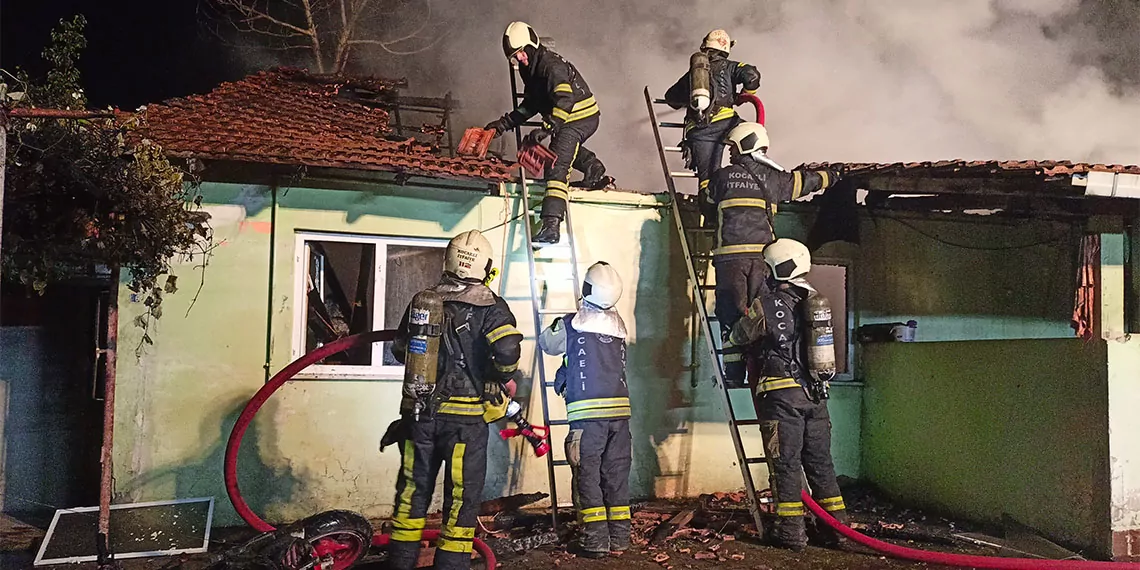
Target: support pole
x=103, y=546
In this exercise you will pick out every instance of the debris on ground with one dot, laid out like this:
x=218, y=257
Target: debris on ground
x=669, y=528
x=511, y=503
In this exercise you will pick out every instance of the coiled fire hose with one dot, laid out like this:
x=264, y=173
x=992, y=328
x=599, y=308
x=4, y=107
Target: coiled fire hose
x=259, y=399
x=957, y=559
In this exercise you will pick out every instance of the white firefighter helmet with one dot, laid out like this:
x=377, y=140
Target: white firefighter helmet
x=518, y=36
x=788, y=259
x=468, y=256
x=602, y=287
x=718, y=40
x=748, y=138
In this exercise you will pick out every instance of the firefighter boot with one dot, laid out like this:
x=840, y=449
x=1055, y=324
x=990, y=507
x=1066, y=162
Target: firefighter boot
x=594, y=178
x=549, y=232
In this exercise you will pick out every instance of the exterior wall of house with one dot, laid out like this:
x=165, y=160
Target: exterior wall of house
x=981, y=428
x=1018, y=426
x=314, y=444
x=1123, y=394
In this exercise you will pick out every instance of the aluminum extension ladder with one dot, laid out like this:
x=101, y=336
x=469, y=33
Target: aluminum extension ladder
x=543, y=313
x=693, y=237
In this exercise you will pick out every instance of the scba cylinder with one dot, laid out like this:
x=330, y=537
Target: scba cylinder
x=421, y=360
x=700, y=93
x=821, y=338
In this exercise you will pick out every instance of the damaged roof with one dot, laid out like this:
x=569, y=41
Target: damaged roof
x=290, y=117
x=978, y=168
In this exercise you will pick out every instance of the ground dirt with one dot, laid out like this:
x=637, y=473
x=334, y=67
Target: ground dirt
x=719, y=536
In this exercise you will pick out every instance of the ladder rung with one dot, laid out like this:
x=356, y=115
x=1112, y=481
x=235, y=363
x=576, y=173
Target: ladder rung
x=752, y=422
x=672, y=149
x=707, y=287
x=561, y=463
x=672, y=125
x=556, y=311
x=558, y=423
x=683, y=174
x=701, y=230
x=660, y=102
x=520, y=96
x=755, y=460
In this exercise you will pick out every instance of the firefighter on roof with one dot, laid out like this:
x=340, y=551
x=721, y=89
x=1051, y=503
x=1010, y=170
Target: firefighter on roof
x=599, y=447
x=460, y=348
x=744, y=196
x=789, y=324
x=553, y=88
x=708, y=90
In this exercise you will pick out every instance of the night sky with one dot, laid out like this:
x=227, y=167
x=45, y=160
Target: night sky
x=138, y=52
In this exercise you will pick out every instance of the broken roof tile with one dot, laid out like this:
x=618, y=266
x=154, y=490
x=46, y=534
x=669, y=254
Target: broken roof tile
x=288, y=116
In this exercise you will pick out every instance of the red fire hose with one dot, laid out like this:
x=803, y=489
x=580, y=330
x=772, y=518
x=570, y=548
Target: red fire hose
x=260, y=398
x=957, y=559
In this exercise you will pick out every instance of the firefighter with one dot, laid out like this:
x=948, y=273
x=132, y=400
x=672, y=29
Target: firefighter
x=744, y=196
x=791, y=401
x=706, y=128
x=553, y=88
x=479, y=350
x=599, y=446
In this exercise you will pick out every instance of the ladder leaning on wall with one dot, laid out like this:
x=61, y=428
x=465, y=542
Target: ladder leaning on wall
x=696, y=245
x=543, y=312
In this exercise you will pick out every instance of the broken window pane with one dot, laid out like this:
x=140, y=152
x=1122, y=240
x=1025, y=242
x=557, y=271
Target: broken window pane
x=340, y=293
x=409, y=270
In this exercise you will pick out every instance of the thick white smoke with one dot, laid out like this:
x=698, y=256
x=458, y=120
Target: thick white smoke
x=843, y=80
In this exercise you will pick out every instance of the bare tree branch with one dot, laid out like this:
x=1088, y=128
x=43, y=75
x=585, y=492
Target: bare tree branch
x=328, y=29
x=316, y=40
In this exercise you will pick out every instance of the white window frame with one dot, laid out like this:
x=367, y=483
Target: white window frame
x=300, y=313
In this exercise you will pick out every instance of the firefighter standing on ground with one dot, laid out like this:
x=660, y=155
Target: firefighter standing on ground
x=478, y=354
x=791, y=401
x=711, y=115
x=599, y=446
x=744, y=196
x=553, y=88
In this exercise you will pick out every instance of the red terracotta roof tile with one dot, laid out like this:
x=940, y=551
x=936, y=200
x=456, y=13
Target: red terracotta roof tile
x=286, y=116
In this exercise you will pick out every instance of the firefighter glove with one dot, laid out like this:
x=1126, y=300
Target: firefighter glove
x=493, y=393
x=560, y=381
x=538, y=136
x=500, y=125
x=396, y=432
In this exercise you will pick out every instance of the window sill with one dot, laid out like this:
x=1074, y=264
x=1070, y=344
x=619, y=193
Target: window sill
x=362, y=376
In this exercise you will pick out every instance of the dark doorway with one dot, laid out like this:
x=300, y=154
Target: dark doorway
x=52, y=422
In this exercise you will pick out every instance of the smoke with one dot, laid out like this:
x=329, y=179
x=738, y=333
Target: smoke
x=843, y=80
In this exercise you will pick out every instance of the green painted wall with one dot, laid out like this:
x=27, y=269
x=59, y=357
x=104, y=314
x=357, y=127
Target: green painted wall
x=314, y=445
x=965, y=278
x=978, y=429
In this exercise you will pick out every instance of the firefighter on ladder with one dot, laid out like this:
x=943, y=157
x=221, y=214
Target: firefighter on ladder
x=743, y=196
x=599, y=446
x=709, y=91
x=553, y=88
x=444, y=418
x=790, y=325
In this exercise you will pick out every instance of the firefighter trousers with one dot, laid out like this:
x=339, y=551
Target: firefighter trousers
x=739, y=280
x=461, y=447
x=569, y=152
x=797, y=442
x=600, y=453
x=706, y=147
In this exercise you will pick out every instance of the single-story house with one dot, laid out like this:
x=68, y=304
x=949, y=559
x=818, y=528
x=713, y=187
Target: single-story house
x=327, y=221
